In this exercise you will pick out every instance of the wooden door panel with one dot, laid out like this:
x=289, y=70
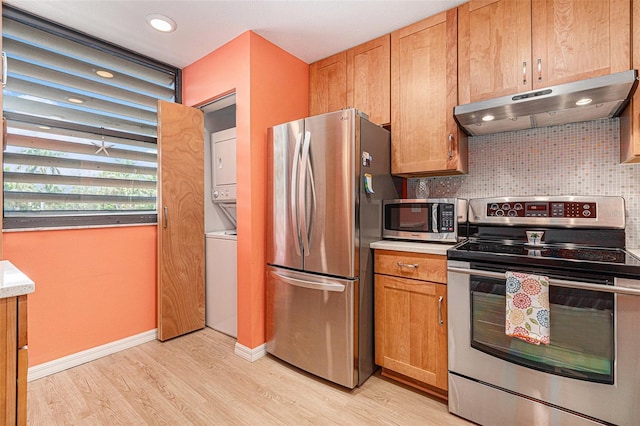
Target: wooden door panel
x=328, y=84
x=369, y=79
x=408, y=335
x=424, y=90
x=494, y=41
x=420, y=98
x=180, y=220
x=630, y=119
x=579, y=39
x=8, y=365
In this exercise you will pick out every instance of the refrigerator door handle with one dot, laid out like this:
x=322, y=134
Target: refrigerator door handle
x=310, y=284
x=314, y=201
x=295, y=204
x=302, y=194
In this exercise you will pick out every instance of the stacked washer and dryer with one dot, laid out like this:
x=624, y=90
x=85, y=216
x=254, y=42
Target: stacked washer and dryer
x=221, y=246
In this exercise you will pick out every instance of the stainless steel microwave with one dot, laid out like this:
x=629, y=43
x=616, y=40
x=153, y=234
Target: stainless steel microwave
x=429, y=219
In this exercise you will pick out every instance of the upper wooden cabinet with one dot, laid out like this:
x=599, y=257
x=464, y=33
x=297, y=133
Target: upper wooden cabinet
x=630, y=119
x=578, y=39
x=359, y=78
x=328, y=84
x=494, y=38
x=424, y=89
x=509, y=46
x=369, y=79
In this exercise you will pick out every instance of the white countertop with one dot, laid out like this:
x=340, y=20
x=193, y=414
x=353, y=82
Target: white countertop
x=412, y=246
x=14, y=282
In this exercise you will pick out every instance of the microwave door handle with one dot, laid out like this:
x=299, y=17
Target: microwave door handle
x=434, y=217
x=294, y=206
x=302, y=194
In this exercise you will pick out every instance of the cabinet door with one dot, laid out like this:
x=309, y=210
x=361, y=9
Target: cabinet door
x=411, y=328
x=23, y=364
x=328, y=84
x=424, y=90
x=494, y=42
x=630, y=119
x=369, y=79
x=8, y=360
x=579, y=39
x=180, y=220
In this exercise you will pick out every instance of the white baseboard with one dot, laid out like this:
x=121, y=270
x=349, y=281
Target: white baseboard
x=42, y=370
x=250, y=354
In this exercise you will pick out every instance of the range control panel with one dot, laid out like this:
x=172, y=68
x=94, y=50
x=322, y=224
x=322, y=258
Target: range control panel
x=558, y=209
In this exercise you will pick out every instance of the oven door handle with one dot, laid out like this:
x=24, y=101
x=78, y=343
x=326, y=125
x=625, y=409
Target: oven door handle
x=555, y=282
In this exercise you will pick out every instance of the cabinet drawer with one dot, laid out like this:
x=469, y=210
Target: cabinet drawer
x=419, y=266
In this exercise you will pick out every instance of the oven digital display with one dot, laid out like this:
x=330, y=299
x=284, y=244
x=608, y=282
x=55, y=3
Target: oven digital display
x=536, y=209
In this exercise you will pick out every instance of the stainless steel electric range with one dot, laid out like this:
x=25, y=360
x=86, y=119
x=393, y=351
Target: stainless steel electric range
x=589, y=373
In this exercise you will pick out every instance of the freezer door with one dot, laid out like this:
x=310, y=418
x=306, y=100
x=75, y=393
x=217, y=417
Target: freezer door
x=284, y=143
x=328, y=226
x=310, y=323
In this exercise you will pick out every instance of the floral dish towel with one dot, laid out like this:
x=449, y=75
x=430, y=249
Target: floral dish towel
x=527, y=307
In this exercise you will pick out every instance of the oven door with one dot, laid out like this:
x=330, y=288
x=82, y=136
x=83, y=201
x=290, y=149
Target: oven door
x=590, y=368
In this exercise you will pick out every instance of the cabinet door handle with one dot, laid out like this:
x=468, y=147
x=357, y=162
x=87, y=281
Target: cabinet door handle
x=440, y=321
x=166, y=217
x=524, y=72
x=539, y=70
x=450, y=146
x=408, y=265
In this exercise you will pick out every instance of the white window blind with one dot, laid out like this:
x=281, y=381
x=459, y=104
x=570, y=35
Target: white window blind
x=81, y=125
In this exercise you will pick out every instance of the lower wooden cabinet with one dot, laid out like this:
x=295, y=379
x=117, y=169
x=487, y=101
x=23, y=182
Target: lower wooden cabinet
x=411, y=319
x=13, y=360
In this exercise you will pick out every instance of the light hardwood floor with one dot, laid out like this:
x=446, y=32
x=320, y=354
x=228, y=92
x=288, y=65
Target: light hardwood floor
x=196, y=379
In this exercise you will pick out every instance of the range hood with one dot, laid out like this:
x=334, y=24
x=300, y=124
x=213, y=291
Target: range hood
x=552, y=106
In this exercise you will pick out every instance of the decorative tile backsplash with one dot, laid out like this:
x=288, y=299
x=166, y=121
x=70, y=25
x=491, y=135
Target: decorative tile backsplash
x=572, y=159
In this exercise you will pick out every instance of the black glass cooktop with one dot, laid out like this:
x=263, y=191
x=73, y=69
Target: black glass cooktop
x=557, y=256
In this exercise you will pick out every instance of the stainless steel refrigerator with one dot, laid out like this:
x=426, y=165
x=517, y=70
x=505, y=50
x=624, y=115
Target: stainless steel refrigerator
x=327, y=178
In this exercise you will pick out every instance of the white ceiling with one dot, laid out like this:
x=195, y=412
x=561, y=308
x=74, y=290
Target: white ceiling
x=309, y=29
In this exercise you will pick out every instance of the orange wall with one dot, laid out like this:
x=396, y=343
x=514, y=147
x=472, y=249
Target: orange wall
x=96, y=286
x=272, y=87
x=93, y=286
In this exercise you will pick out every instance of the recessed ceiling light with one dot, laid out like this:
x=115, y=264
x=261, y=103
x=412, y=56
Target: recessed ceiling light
x=105, y=74
x=583, y=101
x=76, y=100
x=488, y=117
x=161, y=23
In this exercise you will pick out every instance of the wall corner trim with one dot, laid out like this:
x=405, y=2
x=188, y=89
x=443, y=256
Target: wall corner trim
x=250, y=354
x=78, y=358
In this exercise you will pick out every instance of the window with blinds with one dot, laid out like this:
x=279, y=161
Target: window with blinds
x=81, y=127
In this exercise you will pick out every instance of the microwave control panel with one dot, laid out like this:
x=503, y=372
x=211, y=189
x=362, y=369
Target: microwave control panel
x=447, y=218
x=553, y=209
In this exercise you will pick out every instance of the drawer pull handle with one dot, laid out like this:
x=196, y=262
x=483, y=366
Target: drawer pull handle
x=440, y=321
x=408, y=265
